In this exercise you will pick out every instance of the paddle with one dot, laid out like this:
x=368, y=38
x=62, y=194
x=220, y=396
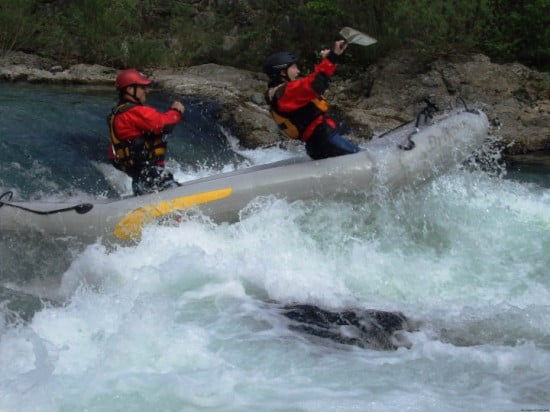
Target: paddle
x=352, y=36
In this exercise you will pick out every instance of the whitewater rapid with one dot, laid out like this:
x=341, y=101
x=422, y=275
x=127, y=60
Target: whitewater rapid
x=188, y=319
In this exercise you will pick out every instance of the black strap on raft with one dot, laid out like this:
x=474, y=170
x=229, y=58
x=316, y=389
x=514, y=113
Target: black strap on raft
x=474, y=111
x=428, y=113
x=80, y=209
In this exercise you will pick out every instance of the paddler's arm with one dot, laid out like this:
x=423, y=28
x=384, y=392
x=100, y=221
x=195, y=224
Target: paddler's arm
x=153, y=121
x=300, y=92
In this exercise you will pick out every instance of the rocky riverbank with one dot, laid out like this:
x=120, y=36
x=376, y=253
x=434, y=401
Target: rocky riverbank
x=388, y=93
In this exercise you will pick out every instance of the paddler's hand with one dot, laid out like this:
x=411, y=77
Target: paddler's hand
x=324, y=53
x=177, y=105
x=339, y=47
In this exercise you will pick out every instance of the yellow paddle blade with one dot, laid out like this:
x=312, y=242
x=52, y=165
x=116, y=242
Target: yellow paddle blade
x=129, y=227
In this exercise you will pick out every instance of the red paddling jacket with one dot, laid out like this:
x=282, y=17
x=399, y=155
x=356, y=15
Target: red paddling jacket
x=137, y=135
x=299, y=108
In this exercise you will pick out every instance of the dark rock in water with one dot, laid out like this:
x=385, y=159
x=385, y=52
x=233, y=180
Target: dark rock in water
x=372, y=329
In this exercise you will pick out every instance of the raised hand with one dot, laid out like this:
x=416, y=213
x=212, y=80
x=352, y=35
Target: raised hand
x=178, y=106
x=339, y=47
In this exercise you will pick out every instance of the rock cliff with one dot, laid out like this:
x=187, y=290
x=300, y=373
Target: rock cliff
x=386, y=94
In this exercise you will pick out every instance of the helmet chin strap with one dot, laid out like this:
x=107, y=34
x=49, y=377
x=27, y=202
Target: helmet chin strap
x=134, y=94
x=284, y=75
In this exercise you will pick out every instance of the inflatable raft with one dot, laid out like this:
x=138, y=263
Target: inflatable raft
x=408, y=155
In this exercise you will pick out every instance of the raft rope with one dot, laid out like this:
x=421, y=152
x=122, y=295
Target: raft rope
x=424, y=111
x=80, y=209
x=466, y=108
x=428, y=113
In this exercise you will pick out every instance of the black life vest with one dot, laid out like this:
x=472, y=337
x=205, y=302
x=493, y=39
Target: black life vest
x=131, y=155
x=293, y=124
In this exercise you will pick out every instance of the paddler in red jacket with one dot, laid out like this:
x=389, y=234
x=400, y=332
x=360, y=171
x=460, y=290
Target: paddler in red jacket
x=297, y=104
x=138, y=134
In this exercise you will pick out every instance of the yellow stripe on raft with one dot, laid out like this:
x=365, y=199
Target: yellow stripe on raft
x=129, y=227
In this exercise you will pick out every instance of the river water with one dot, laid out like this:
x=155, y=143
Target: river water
x=186, y=320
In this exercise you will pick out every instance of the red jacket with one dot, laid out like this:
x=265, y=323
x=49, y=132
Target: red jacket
x=142, y=120
x=300, y=92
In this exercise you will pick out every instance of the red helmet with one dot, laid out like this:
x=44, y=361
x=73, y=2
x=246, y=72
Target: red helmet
x=130, y=77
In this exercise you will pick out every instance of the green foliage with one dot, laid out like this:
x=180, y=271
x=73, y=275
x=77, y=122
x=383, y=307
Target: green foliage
x=520, y=29
x=104, y=31
x=438, y=25
x=241, y=33
x=321, y=20
x=18, y=24
x=190, y=43
x=323, y=12
x=505, y=29
x=136, y=52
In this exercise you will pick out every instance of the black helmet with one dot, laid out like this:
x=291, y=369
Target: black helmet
x=277, y=62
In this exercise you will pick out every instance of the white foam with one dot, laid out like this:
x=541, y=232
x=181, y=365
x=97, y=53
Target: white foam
x=180, y=321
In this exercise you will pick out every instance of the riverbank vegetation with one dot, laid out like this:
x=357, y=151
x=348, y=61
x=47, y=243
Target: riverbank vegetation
x=172, y=33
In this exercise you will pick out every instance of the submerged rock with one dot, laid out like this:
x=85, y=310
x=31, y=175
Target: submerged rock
x=370, y=329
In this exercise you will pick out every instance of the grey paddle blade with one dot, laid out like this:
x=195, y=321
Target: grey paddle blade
x=353, y=36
